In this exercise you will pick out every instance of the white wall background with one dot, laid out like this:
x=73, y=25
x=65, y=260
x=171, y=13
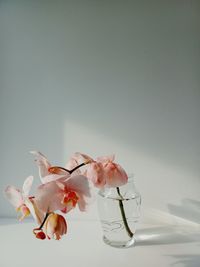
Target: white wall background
x=102, y=77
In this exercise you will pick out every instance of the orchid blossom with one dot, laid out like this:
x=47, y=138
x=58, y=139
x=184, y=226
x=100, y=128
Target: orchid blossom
x=114, y=174
x=55, y=226
x=63, y=195
x=63, y=189
x=21, y=200
x=59, y=191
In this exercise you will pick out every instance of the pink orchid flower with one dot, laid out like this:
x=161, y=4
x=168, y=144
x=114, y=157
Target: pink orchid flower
x=55, y=226
x=47, y=172
x=96, y=174
x=63, y=194
x=115, y=175
x=104, y=172
x=21, y=200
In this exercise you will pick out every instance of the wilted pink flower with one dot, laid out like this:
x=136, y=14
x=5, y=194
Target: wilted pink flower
x=55, y=226
x=115, y=174
x=104, y=172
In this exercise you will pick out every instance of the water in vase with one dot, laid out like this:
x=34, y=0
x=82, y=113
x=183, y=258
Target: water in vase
x=116, y=230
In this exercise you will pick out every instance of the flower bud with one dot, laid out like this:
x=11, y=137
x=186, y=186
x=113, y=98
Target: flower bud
x=55, y=226
x=40, y=235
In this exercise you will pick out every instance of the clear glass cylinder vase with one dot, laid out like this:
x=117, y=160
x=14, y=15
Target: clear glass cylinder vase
x=119, y=212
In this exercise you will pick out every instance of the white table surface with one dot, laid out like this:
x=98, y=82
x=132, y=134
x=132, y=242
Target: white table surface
x=83, y=246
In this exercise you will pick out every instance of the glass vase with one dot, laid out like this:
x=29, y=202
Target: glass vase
x=119, y=212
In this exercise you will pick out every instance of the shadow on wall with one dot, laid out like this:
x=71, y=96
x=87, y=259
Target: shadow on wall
x=189, y=209
x=188, y=260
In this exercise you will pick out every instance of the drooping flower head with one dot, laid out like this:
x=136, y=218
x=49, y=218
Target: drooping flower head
x=55, y=226
x=103, y=171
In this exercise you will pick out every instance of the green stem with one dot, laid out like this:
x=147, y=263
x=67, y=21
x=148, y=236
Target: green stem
x=121, y=206
x=45, y=218
x=69, y=171
x=35, y=230
x=82, y=164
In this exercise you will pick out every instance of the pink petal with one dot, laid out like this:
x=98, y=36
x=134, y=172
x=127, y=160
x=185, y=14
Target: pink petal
x=77, y=159
x=71, y=164
x=115, y=175
x=49, y=197
x=42, y=163
x=27, y=185
x=80, y=185
x=82, y=203
x=61, y=185
x=106, y=158
x=37, y=214
x=95, y=173
x=14, y=196
x=54, y=177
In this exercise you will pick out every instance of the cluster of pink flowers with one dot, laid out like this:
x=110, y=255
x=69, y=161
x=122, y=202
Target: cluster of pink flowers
x=62, y=190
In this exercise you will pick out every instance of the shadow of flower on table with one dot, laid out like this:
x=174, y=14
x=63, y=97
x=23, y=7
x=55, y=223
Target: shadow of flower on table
x=164, y=235
x=186, y=260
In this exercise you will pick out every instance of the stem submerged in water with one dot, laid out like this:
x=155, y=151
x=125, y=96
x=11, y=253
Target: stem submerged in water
x=121, y=206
